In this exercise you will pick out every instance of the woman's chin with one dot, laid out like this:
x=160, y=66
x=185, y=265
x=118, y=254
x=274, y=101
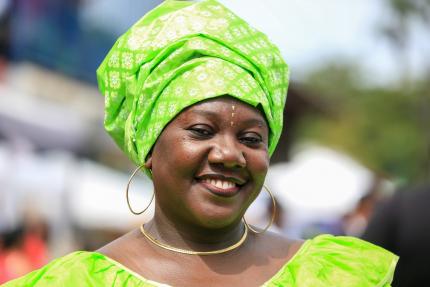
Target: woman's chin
x=217, y=217
x=216, y=212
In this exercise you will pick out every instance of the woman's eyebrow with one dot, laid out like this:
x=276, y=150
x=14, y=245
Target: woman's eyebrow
x=248, y=122
x=255, y=122
x=205, y=113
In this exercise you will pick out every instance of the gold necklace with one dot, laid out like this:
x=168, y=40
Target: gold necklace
x=191, y=252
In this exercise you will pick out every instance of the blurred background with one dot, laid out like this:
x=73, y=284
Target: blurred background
x=355, y=145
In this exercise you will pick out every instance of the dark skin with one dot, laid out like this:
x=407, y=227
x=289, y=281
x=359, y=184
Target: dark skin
x=218, y=139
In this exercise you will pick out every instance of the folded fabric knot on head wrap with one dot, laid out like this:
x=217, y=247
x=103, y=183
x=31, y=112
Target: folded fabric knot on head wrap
x=178, y=54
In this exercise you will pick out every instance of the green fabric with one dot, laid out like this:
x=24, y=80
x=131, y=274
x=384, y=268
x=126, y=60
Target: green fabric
x=180, y=53
x=325, y=261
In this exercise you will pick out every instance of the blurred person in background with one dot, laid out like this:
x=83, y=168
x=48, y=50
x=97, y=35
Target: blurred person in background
x=195, y=97
x=13, y=260
x=401, y=224
x=354, y=221
x=23, y=249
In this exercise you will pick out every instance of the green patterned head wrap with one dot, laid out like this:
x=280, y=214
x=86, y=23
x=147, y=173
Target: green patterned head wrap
x=178, y=54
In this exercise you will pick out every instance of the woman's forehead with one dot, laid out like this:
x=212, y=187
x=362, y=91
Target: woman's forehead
x=224, y=106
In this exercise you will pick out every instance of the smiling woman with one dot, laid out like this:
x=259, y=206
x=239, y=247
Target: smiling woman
x=195, y=97
x=219, y=167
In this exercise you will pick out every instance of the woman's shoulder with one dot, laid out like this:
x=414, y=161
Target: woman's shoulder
x=51, y=271
x=346, y=248
x=71, y=270
x=330, y=260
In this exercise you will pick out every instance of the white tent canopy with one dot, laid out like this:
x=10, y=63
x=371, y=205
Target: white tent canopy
x=319, y=184
x=97, y=198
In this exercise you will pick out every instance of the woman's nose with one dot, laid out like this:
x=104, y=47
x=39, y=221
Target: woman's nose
x=227, y=152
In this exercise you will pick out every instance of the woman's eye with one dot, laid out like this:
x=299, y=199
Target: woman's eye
x=201, y=131
x=251, y=138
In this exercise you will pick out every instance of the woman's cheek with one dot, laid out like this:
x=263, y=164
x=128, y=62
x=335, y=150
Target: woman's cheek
x=259, y=163
x=191, y=156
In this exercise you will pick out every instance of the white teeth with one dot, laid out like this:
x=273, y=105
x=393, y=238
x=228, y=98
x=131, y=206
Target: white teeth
x=218, y=183
x=223, y=184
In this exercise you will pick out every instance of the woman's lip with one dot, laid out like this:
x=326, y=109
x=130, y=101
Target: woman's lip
x=227, y=192
x=234, y=179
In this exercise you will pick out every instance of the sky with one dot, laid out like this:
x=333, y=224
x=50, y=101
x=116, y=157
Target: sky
x=310, y=33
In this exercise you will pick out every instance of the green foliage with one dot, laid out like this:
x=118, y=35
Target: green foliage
x=404, y=13
x=407, y=8
x=386, y=129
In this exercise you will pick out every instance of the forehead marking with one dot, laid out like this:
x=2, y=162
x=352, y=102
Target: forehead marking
x=232, y=115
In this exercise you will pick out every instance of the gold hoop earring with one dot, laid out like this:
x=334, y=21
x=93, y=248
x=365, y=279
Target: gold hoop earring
x=128, y=187
x=272, y=218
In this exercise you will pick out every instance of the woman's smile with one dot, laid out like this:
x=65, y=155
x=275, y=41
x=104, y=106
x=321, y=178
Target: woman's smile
x=219, y=185
x=225, y=185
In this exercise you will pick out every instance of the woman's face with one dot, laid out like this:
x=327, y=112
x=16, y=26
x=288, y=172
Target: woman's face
x=210, y=162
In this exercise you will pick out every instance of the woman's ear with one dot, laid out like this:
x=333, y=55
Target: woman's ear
x=148, y=163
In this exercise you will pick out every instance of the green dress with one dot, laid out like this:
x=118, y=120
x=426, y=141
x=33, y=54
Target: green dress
x=325, y=261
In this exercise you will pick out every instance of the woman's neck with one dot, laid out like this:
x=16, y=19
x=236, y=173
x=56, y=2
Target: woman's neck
x=184, y=235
